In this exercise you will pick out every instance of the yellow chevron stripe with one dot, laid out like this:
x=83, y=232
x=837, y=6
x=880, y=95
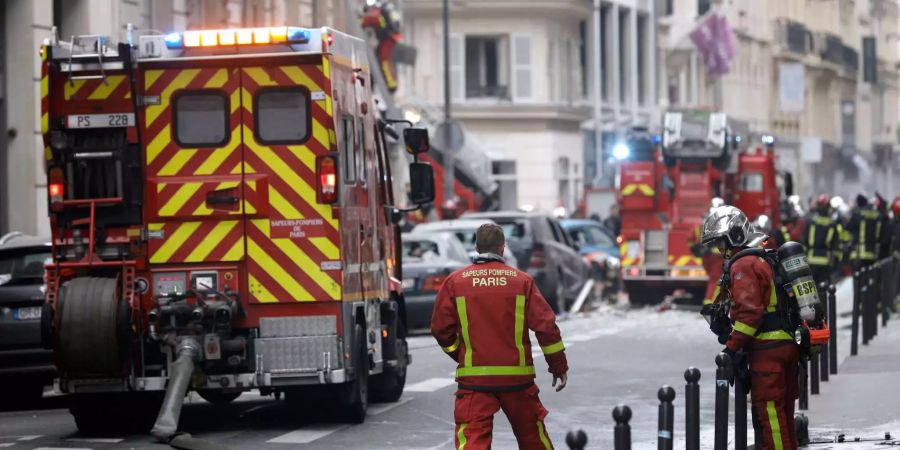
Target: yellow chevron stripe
x=184, y=77
x=182, y=156
x=72, y=88
x=236, y=253
x=219, y=155
x=105, y=89
x=235, y=100
x=326, y=247
x=302, y=260
x=248, y=207
x=48, y=154
x=259, y=76
x=297, y=75
x=246, y=100
x=320, y=132
x=202, y=210
x=150, y=77
x=218, y=79
x=303, y=153
x=173, y=242
x=158, y=143
x=282, y=277
x=259, y=292
x=237, y=169
x=326, y=70
x=282, y=205
x=211, y=240
x=179, y=199
x=290, y=177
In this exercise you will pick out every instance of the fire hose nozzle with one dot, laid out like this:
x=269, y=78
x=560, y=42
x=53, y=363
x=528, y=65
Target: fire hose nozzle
x=223, y=314
x=197, y=313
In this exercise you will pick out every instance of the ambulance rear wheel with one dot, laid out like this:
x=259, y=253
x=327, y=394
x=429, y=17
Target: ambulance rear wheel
x=353, y=397
x=388, y=386
x=218, y=397
x=92, y=329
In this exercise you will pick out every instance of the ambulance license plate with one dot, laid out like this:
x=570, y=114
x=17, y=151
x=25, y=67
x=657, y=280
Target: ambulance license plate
x=27, y=313
x=101, y=120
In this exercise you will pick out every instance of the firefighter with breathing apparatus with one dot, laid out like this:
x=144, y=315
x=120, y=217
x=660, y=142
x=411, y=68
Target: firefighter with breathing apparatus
x=822, y=238
x=769, y=309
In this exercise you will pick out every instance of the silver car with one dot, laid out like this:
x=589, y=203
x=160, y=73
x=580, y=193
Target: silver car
x=464, y=230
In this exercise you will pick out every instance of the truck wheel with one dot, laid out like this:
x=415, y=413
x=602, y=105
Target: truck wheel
x=354, y=396
x=218, y=397
x=89, y=330
x=388, y=386
x=104, y=414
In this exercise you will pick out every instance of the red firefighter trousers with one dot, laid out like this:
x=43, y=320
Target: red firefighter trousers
x=773, y=389
x=475, y=418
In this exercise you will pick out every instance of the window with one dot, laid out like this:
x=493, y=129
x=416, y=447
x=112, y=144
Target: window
x=557, y=236
x=600, y=238
x=201, y=119
x=363, y=170
x=752, y=182
x=23, y=264
x=624, y=56
x=703, y=6
x=487, y=67
x=421, y=249
x=348, y=150
x=521, y=66
x=641, y=78
x=282, y=115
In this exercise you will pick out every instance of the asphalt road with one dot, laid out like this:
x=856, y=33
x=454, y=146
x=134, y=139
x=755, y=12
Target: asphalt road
x=615, y=357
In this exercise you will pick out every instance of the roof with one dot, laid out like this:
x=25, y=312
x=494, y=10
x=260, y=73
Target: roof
x=500, y=214
x=19, y=240
x=581, y=223
x=458, y=224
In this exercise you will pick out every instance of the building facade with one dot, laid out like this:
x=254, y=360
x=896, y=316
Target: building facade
x=821, y=76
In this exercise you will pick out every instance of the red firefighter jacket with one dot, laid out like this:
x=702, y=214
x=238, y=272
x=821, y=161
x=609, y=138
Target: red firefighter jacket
x=481, y=319
x=754, y=304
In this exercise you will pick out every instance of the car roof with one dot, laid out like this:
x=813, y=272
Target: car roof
x=458, y=224
x=580, y=223
x=428, y=235
x=18, y=240
x=500, y=214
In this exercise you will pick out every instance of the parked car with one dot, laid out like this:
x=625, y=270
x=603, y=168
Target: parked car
x=428, y=258
x=545, y=251
x=25, y=366
x=464, y=229
x=598, y=245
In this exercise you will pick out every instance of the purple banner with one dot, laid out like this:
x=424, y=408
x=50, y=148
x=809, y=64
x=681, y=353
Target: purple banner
x=716, y=43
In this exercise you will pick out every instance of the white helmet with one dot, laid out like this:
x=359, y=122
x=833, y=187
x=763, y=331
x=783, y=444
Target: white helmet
x=730, y=225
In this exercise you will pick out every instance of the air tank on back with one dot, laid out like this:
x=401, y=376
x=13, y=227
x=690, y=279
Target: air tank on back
x=803, y=285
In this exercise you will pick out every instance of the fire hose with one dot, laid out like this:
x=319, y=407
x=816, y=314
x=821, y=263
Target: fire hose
x=182, y=369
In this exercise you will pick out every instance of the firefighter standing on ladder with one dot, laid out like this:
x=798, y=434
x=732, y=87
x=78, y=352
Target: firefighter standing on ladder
x=822, y=238
x=758, y=328
x=481, y=319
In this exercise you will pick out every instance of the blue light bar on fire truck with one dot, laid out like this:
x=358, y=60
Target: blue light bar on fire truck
x=241, y=36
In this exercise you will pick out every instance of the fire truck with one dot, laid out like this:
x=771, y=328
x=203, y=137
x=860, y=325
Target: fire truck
x=223, y=220
x=665, y=188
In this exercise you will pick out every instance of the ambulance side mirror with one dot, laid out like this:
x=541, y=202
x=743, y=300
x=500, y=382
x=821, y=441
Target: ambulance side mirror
x=421, y=183
x=416, y=140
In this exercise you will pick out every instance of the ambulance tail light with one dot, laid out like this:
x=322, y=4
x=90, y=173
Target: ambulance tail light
x=326, y=174
x=56, y=188
x=537, y=260
x=433, y=282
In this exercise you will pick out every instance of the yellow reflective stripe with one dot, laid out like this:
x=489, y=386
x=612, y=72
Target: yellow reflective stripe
x=774, y=425
x=744, y=328
x=778, y=335
x=817, y=260
x=829, y=236
x=494, y=371
x=543, y=435
x=452, y=348
x=520, y=328
x=553, y=348
x=464, y=323
x=773, y=297
x=812, y=235
x=629, y=189
x=861, y=245
x=646, y=190
x=461, y=436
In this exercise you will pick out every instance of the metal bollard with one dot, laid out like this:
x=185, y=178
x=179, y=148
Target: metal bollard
x=692, y=409
x=723, y=361
x=666, y=417
x=814, y=373
x=823, y=354
x=854, y=327
x=740, y=414
x=622, y=438
x=832, y=323
x=887, y=294
x=875, y=283
x=804, y=384
x=576, y=440
x=867, y=306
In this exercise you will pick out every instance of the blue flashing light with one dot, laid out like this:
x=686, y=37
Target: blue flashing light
x=656, y=139
x=174, y=40
x=621, y=151
x=298, y=35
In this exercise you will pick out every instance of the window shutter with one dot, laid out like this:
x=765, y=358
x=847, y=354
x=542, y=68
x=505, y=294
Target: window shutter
x=457, y=69
x=521, y=67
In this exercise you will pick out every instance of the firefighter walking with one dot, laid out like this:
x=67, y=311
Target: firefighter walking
x=822, y=238
x=865, y=228
x=758, y=327
x=481, y=319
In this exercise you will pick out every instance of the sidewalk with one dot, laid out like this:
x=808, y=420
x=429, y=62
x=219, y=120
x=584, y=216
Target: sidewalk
x=863, y=399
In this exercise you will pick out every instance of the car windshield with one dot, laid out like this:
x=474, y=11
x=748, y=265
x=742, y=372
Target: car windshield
x=22, y=264
x=514, y=230
x=600, y=238
x=421, y=249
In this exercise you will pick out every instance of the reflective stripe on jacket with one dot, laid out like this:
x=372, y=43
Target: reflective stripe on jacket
x=481, y=318
x=821, y=237
x=755, y=304
x=865, y=225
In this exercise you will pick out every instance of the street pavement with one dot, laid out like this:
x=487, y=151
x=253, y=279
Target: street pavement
x=615, y=356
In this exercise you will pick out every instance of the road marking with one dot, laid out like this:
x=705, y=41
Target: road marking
x=28, y=438
x=6, y=444
x=307, y=435
x=96, y=440
x=62, y=448
x=380, y=409
x=430, y=385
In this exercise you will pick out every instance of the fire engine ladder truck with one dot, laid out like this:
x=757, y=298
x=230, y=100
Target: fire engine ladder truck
x=472, y=165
